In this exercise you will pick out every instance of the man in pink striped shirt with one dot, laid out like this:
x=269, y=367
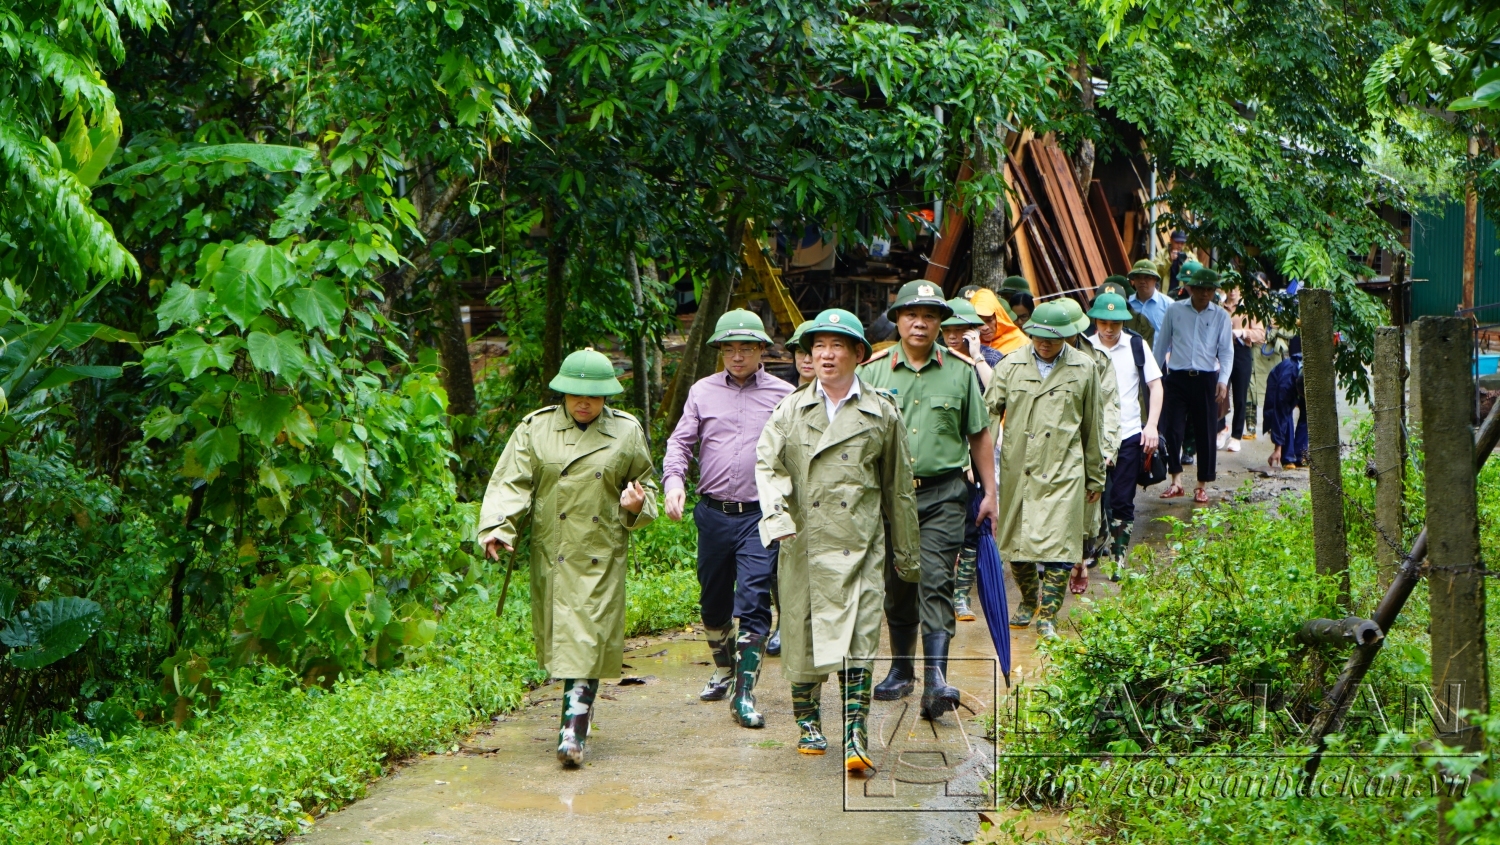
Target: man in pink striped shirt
x=723, y=416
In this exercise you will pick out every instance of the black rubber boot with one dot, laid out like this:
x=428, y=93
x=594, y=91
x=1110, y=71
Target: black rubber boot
x=937, y=697
x=902, y=678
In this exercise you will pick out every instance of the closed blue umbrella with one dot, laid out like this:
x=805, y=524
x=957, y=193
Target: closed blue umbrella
x=992, y=591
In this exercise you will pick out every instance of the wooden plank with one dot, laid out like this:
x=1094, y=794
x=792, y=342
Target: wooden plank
x=1047, y=278
x=952, y=232
x=1023, y=245
x=1048, y=195
x=1115, y=252
x=1078, y=216
x=1130, y=230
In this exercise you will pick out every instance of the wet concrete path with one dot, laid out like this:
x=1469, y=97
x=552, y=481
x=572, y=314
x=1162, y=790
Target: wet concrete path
x=663, y=766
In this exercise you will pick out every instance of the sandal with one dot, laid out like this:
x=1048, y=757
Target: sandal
x=1174, y=492
x=1200, y=495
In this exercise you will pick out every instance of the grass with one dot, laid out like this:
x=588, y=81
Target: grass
x=272, y=755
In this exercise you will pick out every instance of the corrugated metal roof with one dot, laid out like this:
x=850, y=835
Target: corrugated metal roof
x=1437, y=245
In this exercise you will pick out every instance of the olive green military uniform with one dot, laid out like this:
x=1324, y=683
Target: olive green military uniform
x=570, y=480
x=941, y=407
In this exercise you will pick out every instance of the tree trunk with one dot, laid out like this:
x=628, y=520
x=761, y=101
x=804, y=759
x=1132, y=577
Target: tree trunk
x=716, y=295
x=179, y=575
x=657, y=388
x=989, y=250
x=1083, y=168
x=453, y=347
x=639, y=380
x=556, y=295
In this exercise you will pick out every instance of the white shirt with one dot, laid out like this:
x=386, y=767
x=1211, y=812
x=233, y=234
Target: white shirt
x=1129, y=379
x=833, y=407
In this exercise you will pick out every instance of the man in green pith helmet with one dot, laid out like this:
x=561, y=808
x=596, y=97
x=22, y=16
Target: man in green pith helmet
x=1109, y=420
x=831, y=465
x=1052, y=463
x=961, y=332
x=583, y=471
x=1137, y=324
x=943, y=409
x=723, y=417
x=801, y=359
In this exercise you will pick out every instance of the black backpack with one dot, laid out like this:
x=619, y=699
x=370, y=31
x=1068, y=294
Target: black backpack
x=1153, y=466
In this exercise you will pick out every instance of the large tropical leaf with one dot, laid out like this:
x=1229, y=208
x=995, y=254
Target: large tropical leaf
x=48, y=631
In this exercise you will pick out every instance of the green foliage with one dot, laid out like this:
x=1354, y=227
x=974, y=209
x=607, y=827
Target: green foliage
x=47, y=631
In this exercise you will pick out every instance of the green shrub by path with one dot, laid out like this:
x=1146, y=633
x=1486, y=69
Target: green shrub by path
x=273, y=753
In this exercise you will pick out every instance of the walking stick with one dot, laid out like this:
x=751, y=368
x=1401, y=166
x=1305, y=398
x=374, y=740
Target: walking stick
x=510, y=565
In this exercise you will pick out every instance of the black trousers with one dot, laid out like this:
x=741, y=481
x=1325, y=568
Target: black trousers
x=942, y=510
x=734, y=569
x=1190, y=409
x=1122, y=480
x=1239, y=387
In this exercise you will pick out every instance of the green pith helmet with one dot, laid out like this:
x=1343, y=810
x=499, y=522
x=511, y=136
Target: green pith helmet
x=919, y=293
x=1115, y=284
x=1188, y=268
x=1016, y=283
x=966, y=293
x=834, y=321
x=586, y=373
x=1144, y=267
x=1051, y=321
x=1110, y=306
x=1203, y=278
x=963, y=314
x=1075, y=313
x=739, y=324
x=791, y=342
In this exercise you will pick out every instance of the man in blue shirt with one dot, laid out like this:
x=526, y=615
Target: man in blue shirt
x=1148, y=302
x=1196, y=351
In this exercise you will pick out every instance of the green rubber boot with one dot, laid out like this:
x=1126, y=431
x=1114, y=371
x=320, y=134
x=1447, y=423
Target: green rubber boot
x=748, y=654
x=1054, y=589
x=1026, y=579
x=855, y=684
x=722, y=647
x=808, y=711
x=968, y=560
x=578, y=707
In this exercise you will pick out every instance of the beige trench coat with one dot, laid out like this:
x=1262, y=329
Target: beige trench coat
x=570, y=480
x=1052, y=454
x=1109, y=425
x=830, y=485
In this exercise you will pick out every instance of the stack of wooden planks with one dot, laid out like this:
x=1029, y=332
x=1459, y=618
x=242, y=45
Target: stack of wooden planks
x=1067, y=240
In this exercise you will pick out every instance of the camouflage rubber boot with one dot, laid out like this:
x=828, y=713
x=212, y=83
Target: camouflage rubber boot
x=720, y=642
x=1054, y=589
x=968, y=560
x=807, y=710
x=1026, y=579
x=1120, y=531
x=855, y=685
x=748, y=653
x=578, y=706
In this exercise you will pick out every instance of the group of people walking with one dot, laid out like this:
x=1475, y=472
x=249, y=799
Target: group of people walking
x=857, y=494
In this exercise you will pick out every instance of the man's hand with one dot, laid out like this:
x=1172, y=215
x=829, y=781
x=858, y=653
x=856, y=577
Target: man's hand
x=492, y=547
x=675, y=500
x=1092, y=497
x=972, y=344
x=1149, y=440
x=988, y=510
x=1275, y=459
x=633, y=497
x=1221, y=392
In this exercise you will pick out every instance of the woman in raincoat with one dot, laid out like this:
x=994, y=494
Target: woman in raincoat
x=831, y=466
x=583, y=471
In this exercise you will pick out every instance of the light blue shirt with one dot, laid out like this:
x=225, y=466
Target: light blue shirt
x=1154, y=309
x=1195, y=340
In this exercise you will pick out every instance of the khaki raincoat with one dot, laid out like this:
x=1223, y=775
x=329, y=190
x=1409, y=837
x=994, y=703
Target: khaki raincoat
x=570, y=480
x=1109, y=423
x=830, y=484
x=1052, y=454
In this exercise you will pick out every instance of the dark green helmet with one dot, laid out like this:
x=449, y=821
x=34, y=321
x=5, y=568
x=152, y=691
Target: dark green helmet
x=739, y=324
x=919, y=293
x=834, y=321
x=586, y=373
